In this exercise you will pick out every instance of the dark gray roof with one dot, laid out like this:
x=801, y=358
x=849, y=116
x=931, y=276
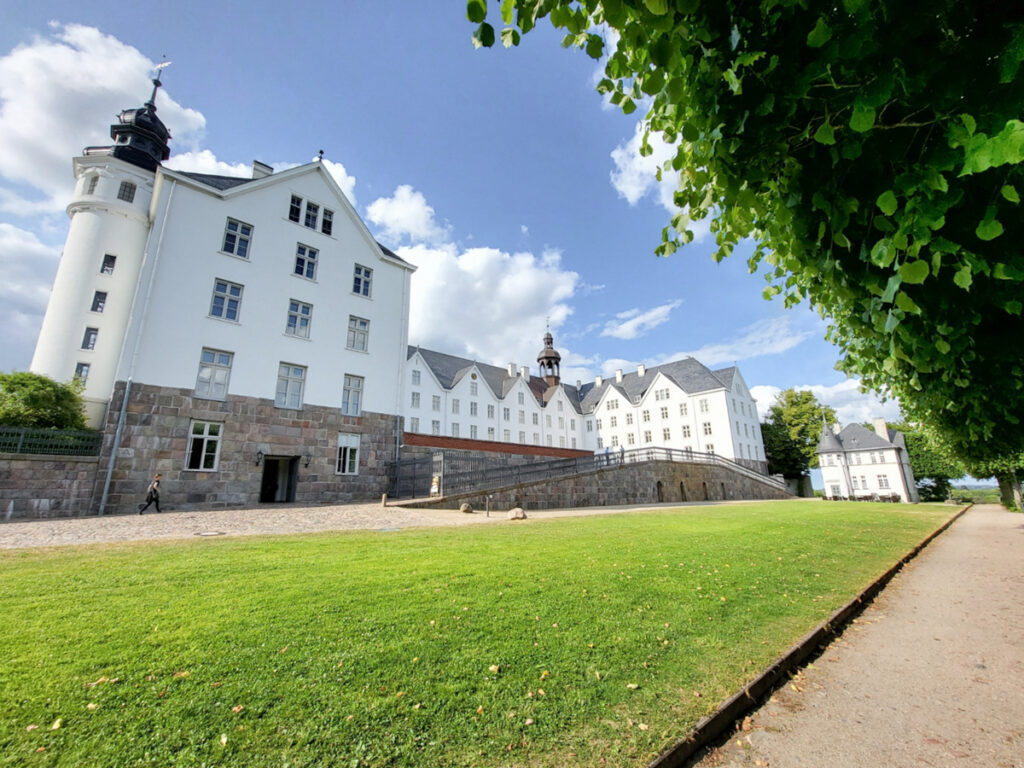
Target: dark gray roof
x=725, y=375
x=392, y=254
x=217, y=182
x=828, y=442
x=856, y=437
x=690, y=375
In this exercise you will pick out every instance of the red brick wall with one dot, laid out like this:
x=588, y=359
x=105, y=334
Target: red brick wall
x=490, y=446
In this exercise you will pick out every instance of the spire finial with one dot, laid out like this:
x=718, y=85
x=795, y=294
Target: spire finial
x=156, y=80
x=320, y=156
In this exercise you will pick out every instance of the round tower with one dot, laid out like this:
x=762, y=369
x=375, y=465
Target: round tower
x=90, y=302
x=549, y=361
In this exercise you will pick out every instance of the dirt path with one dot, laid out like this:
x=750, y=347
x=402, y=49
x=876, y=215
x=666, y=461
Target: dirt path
x=931, y=674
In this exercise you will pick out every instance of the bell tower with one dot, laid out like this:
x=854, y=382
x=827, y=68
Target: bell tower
x=549, y=361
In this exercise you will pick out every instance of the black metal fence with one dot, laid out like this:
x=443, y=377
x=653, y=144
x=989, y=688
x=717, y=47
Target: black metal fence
x=465, y=471
x=57, y=442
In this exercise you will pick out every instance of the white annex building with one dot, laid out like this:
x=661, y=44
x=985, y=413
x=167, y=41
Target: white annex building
x=857, y=463
x=248, y=338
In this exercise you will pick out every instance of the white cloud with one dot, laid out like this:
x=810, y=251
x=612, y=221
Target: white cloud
x=635, y=176
x=204, y=161
x=67, y=89
x=633, y=323
x=28, y=267
x=342, y=178
x=766, y=337
x=851, y=405
x=406, y=217
x=485, y=303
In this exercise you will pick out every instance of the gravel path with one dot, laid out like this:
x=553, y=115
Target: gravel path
x=931, y=674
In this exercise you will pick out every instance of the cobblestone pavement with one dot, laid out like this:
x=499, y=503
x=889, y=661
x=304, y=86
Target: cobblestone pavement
x=931, y=674
x=262, y=520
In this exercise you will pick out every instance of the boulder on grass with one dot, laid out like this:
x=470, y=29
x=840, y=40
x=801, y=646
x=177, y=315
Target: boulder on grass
x=516, y=513
x=466, y=507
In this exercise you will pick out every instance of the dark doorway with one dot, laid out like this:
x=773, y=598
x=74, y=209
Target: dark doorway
x=280, y=474
x=682, y=492
x=660, y=491
x=723, y=490
x=704, y=487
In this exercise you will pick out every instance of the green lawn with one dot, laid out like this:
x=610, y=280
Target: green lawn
x=544, y=643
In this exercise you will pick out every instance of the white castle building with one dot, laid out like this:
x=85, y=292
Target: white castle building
x=248, y=338
x=857, y=463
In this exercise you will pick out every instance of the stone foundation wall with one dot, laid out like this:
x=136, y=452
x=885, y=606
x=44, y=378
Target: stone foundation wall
x=631, y=483
x=38, y=486
x=156, y=438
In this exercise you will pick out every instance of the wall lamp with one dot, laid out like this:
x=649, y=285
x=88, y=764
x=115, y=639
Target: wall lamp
x=259, y=458
x=305, y=460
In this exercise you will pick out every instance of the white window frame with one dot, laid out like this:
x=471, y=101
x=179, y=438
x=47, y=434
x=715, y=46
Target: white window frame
x=291, y=382
x=109, y=262
x=99, y=302
x=89, y=338
x=305, y=261
x=435, y=402
x=362, y=281
x=237, y=238
x=312, y=217
x=414, y=400
x=358, y=336
x=204, y=438
x=347, y=462
x=352, y=395
x=226, y=300
x=415, y=378
x=214, y=374
x=300, y=316
x=82, y=372
x=414, y=424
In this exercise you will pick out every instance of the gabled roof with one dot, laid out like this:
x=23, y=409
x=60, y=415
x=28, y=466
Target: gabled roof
x=688, y=374
x=855, y=437
x=828, y=442
x=217, y=182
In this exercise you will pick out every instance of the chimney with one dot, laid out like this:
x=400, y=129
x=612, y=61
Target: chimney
x=598, y=381
x=511, y=369
x=260, y=170
x=524, y=371
x=641, y=369
x=881, y=429
x=618, y=376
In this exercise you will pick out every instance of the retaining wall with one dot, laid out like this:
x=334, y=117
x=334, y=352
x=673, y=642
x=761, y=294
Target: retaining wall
x=36, y=486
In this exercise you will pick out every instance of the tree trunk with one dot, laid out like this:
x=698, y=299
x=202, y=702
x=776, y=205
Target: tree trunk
x=1006, y=490
x=1015, y=485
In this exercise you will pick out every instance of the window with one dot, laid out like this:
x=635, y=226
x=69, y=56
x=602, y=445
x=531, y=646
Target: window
x=597, y=421
x=312, y=214
x=572, y=424
x=506, y=436
x=415, y=402
x=856, y=457
x=348, y=454
x=600, y=442
x=435, y=427
x=522, y=437
x=737, y=426
x=647, y=436
x=352, y=395
x=590, y=426
x=661, y=394
x=611, y=405
x=613, y=421
x=108, y=264
x=299, y=315
x=126, y=192
x=290, y=380
x=522, y=417
x=506, y=414
x=435, y=403
x=853, y=482
x=327, y=224
x=490, y=433
x=472, y=408
x=490, y=411
x=99, y=301
x=615, y=441
x=415, y=378
x=295, y=209
x=474, y=388
x=707, y=427
x=214, y=372
x=536, y=438
x=472, y=432
x=631, y=439
x=547, y=421
x=872, y=455
x=89, y=339
x=414, y=424
x=90, y=187
x=683, y=409
x=549, y=442
x=703, y=406
x=710, y=448
x=358, y=333
x=82, y=371
x=686, y=430
x=236, y=238
x=629, y=418
x=560, y=405
x=305, y=261
x=455, y=429
x=883, y=482
x=521, y=398
x=746, y=431
x=455, y=405
x=536, y=419
x=203, y=445
x=830, y=460
x=646, y=415
x=664, y=412
x=227, y=300
x=574, y=443
x=666, y=434
x=361, y=281
x=561, y=422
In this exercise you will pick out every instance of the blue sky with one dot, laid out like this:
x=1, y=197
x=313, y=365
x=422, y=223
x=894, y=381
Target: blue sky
x=502, y=174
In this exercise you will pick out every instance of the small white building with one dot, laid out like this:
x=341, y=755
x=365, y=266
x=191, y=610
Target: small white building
x=858, y=463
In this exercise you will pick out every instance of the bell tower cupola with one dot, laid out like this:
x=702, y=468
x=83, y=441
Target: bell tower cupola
x=140, y=137
x=549, y=361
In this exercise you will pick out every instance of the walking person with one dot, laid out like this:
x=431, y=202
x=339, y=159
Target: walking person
x=152, y=494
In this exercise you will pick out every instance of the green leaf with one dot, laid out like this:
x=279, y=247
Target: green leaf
x=943, y=346
x=882, y=254
x=963, y=277
x=907, y=304
x=1010, y=193
x=660, y=51
x=1013, y=307
x=887, y=202
x=690, y=133
x=484, y=36
x=989, y=228
x=476, y=10
x=595, y=47
x=510, y=37
x=820, y=35
x=733, y=81
x=914, y=271
x=825, y=134
x=863, y=118
x=508, y=8
x=895, y=281
x=657, y=7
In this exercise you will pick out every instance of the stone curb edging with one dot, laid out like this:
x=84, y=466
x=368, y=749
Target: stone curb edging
x=715, y=725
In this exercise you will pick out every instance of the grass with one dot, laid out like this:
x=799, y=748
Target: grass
x=549, y=643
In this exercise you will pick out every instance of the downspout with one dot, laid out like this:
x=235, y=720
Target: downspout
x=135, y=352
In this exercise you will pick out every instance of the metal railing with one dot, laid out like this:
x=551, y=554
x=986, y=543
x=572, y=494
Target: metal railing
x=463, y=474
x=56, y=442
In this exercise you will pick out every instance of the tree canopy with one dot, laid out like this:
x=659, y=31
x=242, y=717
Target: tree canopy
x=793, y=430
x=933, y=468
x=32, y=400
x=873, y=151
